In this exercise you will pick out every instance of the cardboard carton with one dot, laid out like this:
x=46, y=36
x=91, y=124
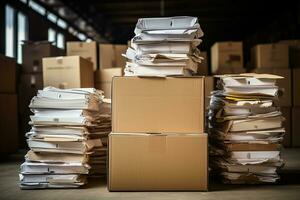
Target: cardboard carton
x=285, y=85
x=270, y=56
x=68, y=72
x=158, y=105
x=230, y=70
x=103, y=79
x=226, y=54
x=295, y=127
x=294, y=52
x=33, y=52
x=9, y=123
x=8, y=75
x=120, y=60
x=156, y=162
x=203, y=66
x=209, y=87
x=110, y=56
x=87, y=50
x=287, y=124
x=296, y=87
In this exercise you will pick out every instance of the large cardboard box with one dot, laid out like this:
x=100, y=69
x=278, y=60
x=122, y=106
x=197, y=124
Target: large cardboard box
x=270, y=56
x=33, y=52
x=296, y=87
x=8, y=123
x=110, y=55
x=287, y=124
x=285, y=85
x=8, y=75
x=156, y=162
x=68, y=72
x=226, y=54
x=294, y=52
x=203, y=66
x=87, y=50
x=158, y=105
x=103, y=79
x=295, y=126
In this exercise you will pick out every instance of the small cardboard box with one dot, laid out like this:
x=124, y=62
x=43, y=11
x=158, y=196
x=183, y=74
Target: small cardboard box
x=296, y=87
x=110, y=56
x=270, y=56
x=294, y=52
x=8, y=123
x=226, y=54
x=8, y=75
x=285, y=84
x=295, y=127
x=87, y=50
x=103, y=79
x=157, y=162
x=68, y=72
x=33, y=52
x=158, y=105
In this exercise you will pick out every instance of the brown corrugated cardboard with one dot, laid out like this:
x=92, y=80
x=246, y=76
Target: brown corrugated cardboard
x=226, y=54
x=68, y=72
x=119, y=50
x=9, y=123
x=8, y=75
x=287, y=123
x=270, y=55
x=285, y=85
x=296, y=87
x=87, y=50
x=203, y=66
x=294, y=52
x=154, y=162
x=110, y=56
x=158, y=105
x=230, y=70
x=295, y=127
x=103, y=79
x=209, y=87
x=33, y=52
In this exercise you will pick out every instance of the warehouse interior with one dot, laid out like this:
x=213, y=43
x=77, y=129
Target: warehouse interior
x=157, y=99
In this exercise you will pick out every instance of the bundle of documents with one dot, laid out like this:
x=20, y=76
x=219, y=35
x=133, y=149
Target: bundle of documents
x=68, y=138
x=164, y=47
x=245, y=129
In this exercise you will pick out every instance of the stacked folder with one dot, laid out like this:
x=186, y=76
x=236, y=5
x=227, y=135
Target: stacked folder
x=164, y=47
x=245, y=129
x=68, y=139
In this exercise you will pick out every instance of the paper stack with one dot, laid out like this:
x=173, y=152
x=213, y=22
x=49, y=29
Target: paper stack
x=164, y=47
x=245, y=129
x=68, y=138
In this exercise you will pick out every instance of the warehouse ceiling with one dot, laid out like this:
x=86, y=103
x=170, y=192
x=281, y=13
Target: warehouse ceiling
x=220, y=19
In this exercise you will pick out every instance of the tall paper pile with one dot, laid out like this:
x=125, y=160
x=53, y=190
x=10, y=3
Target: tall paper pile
x=68, y=138
x=164, y=47
x=245, y=129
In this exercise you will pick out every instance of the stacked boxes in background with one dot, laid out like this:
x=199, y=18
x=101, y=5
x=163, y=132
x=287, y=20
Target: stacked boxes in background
x=8, y=105
x=110, y=55
x=31, y=79
x=227, y=58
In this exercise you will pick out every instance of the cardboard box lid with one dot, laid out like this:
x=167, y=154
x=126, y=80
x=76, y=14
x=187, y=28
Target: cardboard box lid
x=157, y=162
x=158, y=105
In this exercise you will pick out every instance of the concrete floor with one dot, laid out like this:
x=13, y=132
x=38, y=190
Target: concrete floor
x=288, y=189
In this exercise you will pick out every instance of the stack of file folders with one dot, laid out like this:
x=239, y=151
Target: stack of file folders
x=68, y=139
x=164, y=47
x=245, y=129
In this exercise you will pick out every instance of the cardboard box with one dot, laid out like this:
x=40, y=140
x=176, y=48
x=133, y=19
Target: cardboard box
x=68, y=72
x=296, y=87
x=110, y=56
x=294, y=52
x=287, y=124
x=230, y=70
x=158, y=105
x=285, y=85
x=157, y=162
x=8, y=75
x=209, y=87
x=295, y=127
x=270, y=56
x=203, y=66
x=9, y=123
x=226, y=54
x=103, y=79
x=33, y=52
x=87, y=50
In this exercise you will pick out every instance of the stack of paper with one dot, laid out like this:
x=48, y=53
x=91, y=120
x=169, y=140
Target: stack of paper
x=164, y=47
x=245, y=129
x=68, y=139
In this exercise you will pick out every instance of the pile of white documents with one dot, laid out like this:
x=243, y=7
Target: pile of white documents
x=164, y=47
x=68, y=139
x=245, y=129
